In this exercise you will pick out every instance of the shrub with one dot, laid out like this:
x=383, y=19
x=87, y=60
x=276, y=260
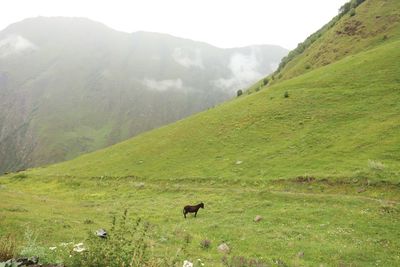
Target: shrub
x=265, y=81
x=20, y=176
x=388, y=208
x=187, y=238
x=205, y=244
x=345, y=8
x=376, y=165
x=31, y=247
x=7, y=247
x=239, y=92
x=349, y=6
x=286, y=94
x=352, y=12
x=126, y=244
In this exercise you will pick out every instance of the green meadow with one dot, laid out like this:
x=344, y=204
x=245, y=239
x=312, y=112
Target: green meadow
x=317, y=156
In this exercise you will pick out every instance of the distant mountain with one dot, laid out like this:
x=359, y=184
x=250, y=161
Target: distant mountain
x=71, y=85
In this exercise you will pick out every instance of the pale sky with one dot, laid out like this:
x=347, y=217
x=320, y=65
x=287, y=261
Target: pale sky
x=223, y=23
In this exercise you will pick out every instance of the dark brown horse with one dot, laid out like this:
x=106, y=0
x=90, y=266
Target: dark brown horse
x=192, y=209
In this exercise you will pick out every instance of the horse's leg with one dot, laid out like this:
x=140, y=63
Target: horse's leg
x=195, y=213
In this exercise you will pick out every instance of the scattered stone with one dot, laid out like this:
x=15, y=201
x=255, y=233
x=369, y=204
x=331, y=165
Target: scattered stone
x=300, y=254
x=101, y=233
x=360, y=190
x=239, y=162
x=187, y=264
x=224, y=248
x=29, y=261
x=139, y=185
x=24, y=261
x=258, y=218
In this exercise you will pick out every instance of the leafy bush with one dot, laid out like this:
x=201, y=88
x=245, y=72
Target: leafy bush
x=349, y=6
x=126, y=245
x=286, y=94
x=31, y=247
x=265, y=81
x=7, y=247
x=88, y=221
x=352, y=12
x=20, y=176
x=345, y=8
x=239, y=92
x=205, y=244
x=376, y=165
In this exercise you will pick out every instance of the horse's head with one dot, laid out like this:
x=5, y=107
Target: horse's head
x=202, y=205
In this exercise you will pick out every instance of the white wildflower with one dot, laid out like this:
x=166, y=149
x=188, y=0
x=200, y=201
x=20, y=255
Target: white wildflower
x=65, y=244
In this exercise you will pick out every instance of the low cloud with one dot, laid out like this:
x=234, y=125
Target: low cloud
x=164, y=85
x=243, y=72
x=191, y=58
x=274, y=65
x=14, y=45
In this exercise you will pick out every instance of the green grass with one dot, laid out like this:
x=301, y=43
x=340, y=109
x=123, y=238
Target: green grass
x=322, y=167
x=339, y=124
x=329, y=227
x=374, y=23
x=335, y=120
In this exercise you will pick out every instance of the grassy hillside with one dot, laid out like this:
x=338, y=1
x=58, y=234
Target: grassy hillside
x=369, y=24
x=334, y=121
x=339, y=124
x=317, y=156
x=107, y=86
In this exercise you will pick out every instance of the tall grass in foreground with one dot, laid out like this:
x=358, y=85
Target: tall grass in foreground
x=127, y=244
x=8, y=247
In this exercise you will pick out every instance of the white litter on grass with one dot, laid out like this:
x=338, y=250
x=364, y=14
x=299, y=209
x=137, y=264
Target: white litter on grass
x=187, y=264
x=52, y=248
x=79, y=248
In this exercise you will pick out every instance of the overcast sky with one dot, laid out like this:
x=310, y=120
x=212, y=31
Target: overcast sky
x=223, y=23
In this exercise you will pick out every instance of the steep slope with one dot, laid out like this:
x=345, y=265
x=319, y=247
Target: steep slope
x=369, y=24
x=70, y=85
x=335, y=121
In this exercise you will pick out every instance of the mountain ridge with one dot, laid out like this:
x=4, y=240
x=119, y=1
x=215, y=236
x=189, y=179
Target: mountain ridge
x=106, y=85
